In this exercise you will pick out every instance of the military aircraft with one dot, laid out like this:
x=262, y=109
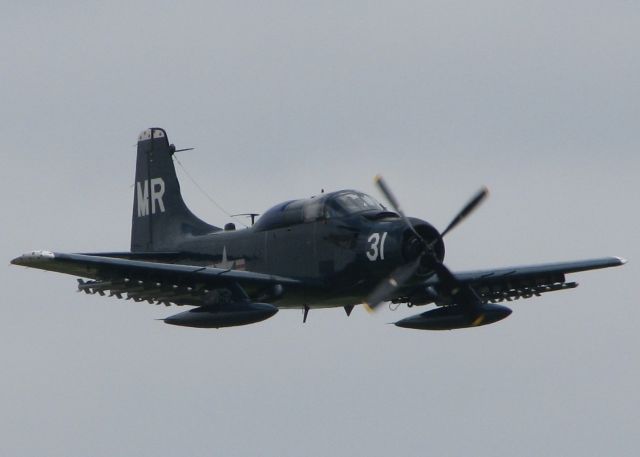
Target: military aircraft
x=337, y=249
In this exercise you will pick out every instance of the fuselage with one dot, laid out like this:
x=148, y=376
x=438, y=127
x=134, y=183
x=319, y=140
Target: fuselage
x=344, y=251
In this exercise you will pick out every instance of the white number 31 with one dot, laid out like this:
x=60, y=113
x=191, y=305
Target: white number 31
x=376, y=246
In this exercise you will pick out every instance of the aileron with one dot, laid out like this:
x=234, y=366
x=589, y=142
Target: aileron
x=520, y=272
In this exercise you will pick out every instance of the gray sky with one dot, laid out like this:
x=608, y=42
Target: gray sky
x=538, y=100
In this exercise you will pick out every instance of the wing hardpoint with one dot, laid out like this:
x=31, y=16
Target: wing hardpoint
x=512, y=283
x=155, y=282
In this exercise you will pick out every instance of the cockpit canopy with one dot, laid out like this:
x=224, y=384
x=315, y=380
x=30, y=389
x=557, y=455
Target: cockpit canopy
x=325, y=206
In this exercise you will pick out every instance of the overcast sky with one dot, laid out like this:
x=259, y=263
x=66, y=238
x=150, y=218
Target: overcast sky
x=538, y=100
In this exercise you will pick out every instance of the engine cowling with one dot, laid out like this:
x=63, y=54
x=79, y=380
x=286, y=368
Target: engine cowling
x=452, y=317
x=229, y=316
x=412, y=247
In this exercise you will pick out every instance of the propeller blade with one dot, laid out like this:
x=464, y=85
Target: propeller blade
x=397, y=278
x=386, y=191
x=382, y=185
x=456, y=292
x=468, y=209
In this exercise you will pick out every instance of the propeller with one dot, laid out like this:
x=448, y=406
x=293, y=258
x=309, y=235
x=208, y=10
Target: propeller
x=405, y=272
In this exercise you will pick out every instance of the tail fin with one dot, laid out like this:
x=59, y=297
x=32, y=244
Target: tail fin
x=161, y=220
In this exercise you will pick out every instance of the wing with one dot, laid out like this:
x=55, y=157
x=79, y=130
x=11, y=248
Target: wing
x=512, y=283
x=155, y=282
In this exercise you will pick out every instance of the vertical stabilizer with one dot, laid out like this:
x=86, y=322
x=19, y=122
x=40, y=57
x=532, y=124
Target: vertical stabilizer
x=160, y=220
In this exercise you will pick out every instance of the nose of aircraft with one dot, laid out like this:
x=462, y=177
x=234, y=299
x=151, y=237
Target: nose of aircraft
x=413, y=246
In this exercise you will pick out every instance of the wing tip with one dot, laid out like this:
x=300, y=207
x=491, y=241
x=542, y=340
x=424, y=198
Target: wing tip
x=621, y=260
x=32, y=257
